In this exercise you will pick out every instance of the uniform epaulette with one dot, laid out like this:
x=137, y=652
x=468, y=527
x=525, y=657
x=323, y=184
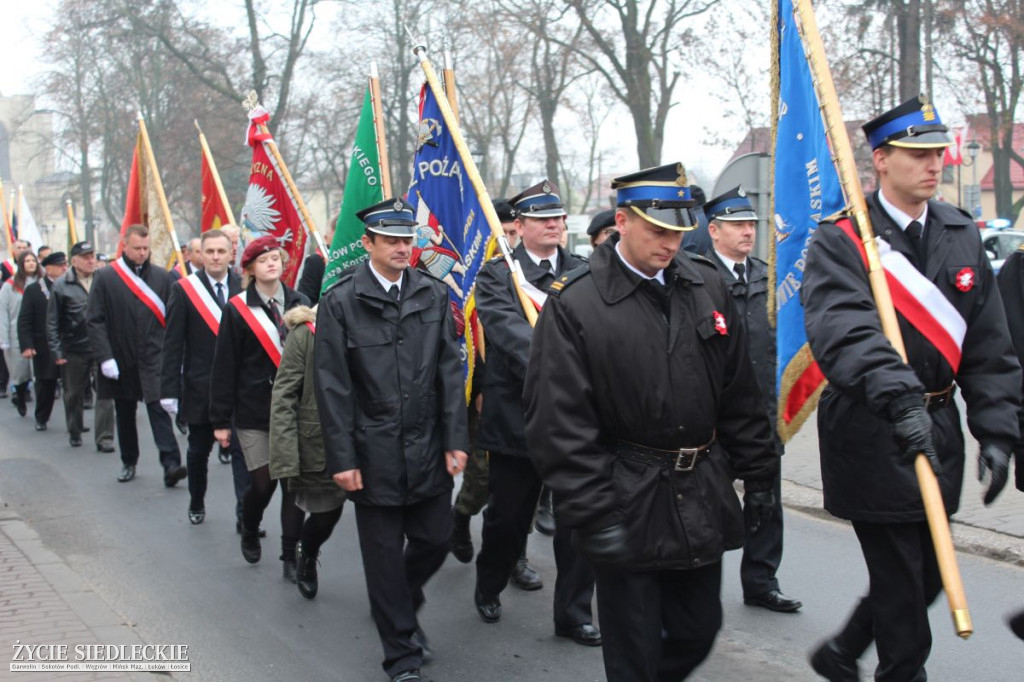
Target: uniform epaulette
x=563, y=282
x=697, y=258
x=345, y=276
x=838, y=215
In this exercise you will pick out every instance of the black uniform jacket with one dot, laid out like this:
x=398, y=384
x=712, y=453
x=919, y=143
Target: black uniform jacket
x=751, y=300
x=605, y=366
x=862, y=475
x=508, y=335
x=312, y=277
x=243, y=374
x=389, y=385
x=67, y=330
x=188, y=349
x=32, y=328
x=122, y=327
x=1011, y=285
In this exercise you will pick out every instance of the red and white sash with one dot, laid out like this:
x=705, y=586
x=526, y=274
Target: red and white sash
x=203, y=301
x=536, y=296
x=918, y=300
x=262, y=326
x=142, y=291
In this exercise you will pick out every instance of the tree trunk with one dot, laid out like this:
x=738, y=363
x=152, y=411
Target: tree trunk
x=908, y=28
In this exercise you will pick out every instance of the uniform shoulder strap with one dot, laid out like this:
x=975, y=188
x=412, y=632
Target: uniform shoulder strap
x=565, y=281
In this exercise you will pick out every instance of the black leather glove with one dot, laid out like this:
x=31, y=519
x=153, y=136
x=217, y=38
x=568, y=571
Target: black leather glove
x=605, y=547
x=912, y=431
x=994, y=464
x=762, y=503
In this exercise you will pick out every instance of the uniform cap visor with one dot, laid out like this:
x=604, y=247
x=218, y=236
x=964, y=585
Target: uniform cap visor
x=932, y=140
x=396, y=229
x=736, y=216
x=683, y=218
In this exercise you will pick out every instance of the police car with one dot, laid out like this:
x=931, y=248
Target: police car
x=1000, y=241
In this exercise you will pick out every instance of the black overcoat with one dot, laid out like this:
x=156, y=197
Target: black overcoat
x=1011, y=286
x=32, y=328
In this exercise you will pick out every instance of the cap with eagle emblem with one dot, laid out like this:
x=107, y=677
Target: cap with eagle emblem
x=539, y=201
x=391, y=217
x=660, y=195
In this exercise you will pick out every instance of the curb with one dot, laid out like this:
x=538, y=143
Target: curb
x=966, y=538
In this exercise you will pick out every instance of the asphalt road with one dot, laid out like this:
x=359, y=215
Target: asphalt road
x=182, y=584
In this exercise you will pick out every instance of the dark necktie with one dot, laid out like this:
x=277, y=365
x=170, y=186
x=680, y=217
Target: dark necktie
x=915, y=232
x=393, y=292
x=545, y=265
x=740, y=270
x=220, y=294
x=275, y=315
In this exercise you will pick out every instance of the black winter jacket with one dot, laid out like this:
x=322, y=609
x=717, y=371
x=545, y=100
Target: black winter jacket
x=67, y=328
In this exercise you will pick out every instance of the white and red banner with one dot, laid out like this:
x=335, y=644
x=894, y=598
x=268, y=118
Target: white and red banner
x=141, y=290
x=203, y=301
x=262, y=326
x=918, y=300
x=270, y=209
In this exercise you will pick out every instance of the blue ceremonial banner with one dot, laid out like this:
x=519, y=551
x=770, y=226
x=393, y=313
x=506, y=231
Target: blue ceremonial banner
x=806, y=190
x=452, y=232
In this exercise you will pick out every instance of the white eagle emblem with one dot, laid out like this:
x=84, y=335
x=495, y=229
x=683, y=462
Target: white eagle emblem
x=259, y=214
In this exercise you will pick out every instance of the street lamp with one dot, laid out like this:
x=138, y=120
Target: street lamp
x=973, y=149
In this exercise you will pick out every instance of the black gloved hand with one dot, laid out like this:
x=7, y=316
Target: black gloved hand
x=605, y=547
x=912, y=431
x=992, y=458
x=762, y=503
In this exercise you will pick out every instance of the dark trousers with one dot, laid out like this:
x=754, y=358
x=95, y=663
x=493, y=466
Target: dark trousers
x=160, y=424
x=197, y=459
x=762, y=551
x=46, y=390
x=658, y=626
x=473, y=494
x=5, y=375
x=904, y=581
x=402, y=548
x=74, y=374
x=515, y=489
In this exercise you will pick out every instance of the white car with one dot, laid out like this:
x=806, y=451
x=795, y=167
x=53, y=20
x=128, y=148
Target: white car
x=999, y=244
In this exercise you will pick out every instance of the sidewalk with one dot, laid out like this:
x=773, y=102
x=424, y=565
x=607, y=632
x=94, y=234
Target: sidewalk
x=43, y=601
x=996, y=532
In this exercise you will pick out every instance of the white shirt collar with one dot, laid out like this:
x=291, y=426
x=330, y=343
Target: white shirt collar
x=901, y=218
x=384, y=281
x=537, y=259
x=659, y=276
x=214, y=281
x=731, y=264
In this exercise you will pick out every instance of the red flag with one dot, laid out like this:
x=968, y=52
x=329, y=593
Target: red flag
x=215, y=213
x=134, y=206
x=269, y=206
x=954, y=155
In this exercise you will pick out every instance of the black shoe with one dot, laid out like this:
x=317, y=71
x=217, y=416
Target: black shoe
x=104, y=447
x=585, y=634
x=238, y=529
x=407, y=676
x=773, y=600
x=87, y=405
x=489, y=608
x=76, y=441
x=305, y=574
x=419, y=638
x=197, y=516
x=40, y=426
x=224, y=456
x=3, y=394
x=19, y=403
x=544, y=521
x=182, y=427
x=127, y=471
x=173, y=474
x=289, y=569
x=524, y=577
x=1016, y=624
x=251, y=549
x=835, y=665
x=461, y=544
x=86, y=429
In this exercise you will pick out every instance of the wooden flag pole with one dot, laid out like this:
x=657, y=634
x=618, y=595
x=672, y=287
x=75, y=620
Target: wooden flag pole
x=272, y=145
x=213, y=169
x=448, y=75
x=938, y=521
x=379, y=132
x=72, y=232
x=154, y=176
x=473, y=173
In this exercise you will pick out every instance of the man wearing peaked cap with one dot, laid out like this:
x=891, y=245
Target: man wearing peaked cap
x=32, y=335
x=513, y=481
x=639, y=449
x=602, y=225
x=389, y=383
x=878, y=412
x=733, y=228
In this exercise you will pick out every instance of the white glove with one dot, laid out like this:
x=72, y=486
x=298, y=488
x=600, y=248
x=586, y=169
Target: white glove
x=4, y=346
x=170, y=405
x=109, y=369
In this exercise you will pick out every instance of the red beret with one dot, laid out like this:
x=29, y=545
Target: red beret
x=257, y=248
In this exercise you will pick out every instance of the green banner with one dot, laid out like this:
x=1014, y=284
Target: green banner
x=362, y=188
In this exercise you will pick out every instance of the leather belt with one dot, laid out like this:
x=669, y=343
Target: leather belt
x=681, y=459
x=939, y=399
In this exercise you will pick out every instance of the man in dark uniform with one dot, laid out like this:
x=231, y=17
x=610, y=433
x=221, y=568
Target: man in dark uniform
x=513, y=482
x=641, y=407
x=126, y=319
x=389, y=383
x=32, y=335
x=878, y=412
x=733, y=226
x=193, y=321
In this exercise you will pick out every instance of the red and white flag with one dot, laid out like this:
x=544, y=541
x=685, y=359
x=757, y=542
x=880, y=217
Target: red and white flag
x=270, y=209
x=954, y=155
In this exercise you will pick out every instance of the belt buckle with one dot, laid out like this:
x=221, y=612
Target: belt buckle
x=692, y=453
